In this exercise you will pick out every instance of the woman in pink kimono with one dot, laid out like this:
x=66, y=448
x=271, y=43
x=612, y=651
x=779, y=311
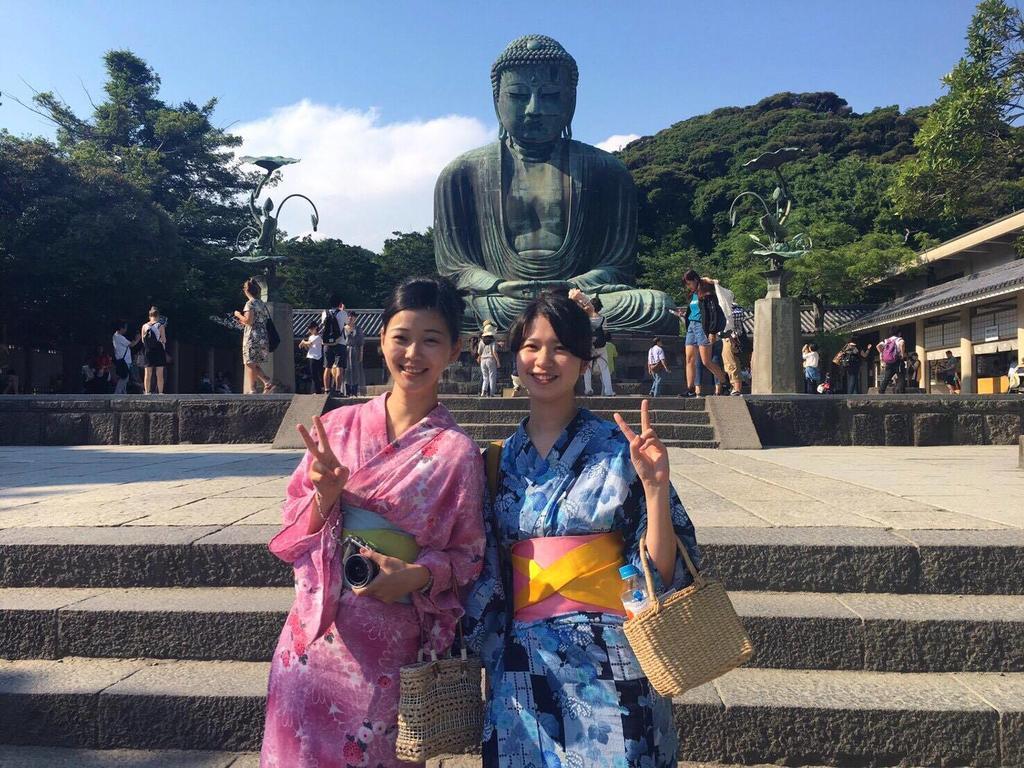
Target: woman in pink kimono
x=400, y=475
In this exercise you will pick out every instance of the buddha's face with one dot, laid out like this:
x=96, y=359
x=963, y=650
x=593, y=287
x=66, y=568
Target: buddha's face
x=535, y=102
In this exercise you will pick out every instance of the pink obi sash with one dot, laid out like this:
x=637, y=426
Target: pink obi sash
x=554, y=575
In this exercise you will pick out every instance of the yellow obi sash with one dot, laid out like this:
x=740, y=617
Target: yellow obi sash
x=566, y=574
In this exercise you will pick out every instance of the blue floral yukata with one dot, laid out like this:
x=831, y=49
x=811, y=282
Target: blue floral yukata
x=567, y=691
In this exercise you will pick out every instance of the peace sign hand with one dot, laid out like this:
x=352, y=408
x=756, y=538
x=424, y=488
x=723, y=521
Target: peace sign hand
x=648, y=453
x=327, y=474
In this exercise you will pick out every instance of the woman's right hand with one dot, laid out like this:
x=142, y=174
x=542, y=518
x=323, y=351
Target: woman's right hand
x=326, y=473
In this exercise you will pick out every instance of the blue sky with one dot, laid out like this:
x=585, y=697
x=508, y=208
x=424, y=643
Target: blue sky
x=399, y=88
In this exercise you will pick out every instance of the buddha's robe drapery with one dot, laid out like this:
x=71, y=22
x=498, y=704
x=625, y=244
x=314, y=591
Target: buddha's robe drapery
x=473, y=248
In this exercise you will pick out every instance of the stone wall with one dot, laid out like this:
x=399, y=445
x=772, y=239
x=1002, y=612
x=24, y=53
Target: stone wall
x=134, y=420
x=793, y=420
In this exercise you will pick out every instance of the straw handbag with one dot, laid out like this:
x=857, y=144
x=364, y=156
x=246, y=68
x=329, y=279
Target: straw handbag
x=690, y=637
x=440, y=708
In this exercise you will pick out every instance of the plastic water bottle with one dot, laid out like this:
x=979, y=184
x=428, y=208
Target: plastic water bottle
x=634, y=594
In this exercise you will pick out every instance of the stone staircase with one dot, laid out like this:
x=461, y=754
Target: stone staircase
x=873, y=647
x=681, y=422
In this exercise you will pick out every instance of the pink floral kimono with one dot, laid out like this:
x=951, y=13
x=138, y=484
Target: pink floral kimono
x=332, y=700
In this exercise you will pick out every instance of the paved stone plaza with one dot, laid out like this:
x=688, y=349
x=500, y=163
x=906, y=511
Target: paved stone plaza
x=948, y=487
x=881, y=587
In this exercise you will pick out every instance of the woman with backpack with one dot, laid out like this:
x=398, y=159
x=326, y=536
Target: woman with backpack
x=255, y=340
x=704, y=321
x=154, y=338
x=849, y=358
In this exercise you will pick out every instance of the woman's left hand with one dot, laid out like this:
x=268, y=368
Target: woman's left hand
x=648, y=453
x=395, y=580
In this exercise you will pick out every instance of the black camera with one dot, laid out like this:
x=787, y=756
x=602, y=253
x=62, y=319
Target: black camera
x=359, y=570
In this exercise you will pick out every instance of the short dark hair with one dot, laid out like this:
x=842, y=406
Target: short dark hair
x=335, y=300
x=657, y=340
x=571, y=324
x=314, y=326
x=120, y=324
x=691, y=276
x=813, y=347
x=597, y=304
x=437, y=293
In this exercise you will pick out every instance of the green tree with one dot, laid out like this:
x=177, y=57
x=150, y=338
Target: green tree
x=173, y=156
x=316, y=269
x=969, y=159
x=407, y=254
x=80, y=246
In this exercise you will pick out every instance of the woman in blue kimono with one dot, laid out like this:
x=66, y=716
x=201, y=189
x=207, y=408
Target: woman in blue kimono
x=573, y=494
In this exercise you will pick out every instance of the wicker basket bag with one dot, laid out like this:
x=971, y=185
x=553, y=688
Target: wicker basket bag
x=440, y=711
x=690, y=637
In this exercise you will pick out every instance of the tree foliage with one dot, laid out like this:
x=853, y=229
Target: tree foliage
x=688, y=175
x=970, y=156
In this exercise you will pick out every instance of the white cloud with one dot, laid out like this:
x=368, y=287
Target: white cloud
x=617, y=142
x=367, y=177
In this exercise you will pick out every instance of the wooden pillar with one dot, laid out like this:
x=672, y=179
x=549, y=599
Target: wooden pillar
x=176, y=368
x=922, y=374
x=1019, y=354
x=968, y=384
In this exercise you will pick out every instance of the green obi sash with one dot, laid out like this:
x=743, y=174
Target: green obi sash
x=382, y=535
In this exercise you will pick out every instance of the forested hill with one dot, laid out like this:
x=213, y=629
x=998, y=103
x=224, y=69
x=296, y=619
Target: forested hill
x=689, y=173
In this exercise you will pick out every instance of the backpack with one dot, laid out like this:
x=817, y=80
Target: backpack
x=601, y=336
x=891, y=351
x=331, y=330
x=151, y=340
x=716, y=322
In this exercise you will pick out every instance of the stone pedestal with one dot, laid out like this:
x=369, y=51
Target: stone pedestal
x=281, y=365
x=776, y=359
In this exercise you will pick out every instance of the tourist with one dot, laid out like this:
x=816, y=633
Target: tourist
x=314, y=346
x=332, y=321
x=407, y=485
x=255, y=342
x=222, y=384
x=487, y=356
x=913, y=370
x=205, y=385
x=704, y=320
x=730, y=348
x=811, y=362
x=352, y=338
x=154, y=339
x=564, y=685
x=947, y=370
x=849, y=359
x=891, y=354
x=656, y=365
x=599, y=342
x=122, y=357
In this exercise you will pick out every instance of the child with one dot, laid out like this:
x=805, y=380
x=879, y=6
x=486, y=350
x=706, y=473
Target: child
x=656, y=364
x=314, y=344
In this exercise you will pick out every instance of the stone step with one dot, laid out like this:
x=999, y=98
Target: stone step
x=750, y=715
x=512, y=416
x=702, y=432
x=815, y=559
x=668, y=442
x=597, y=403
x=877, y=632
x=63, y=757
x=59, y=757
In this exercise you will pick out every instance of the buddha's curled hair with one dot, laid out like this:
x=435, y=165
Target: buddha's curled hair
x=533, y=49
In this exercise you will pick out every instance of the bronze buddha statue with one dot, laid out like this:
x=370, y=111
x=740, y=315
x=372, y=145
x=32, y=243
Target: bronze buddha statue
x=536, y=210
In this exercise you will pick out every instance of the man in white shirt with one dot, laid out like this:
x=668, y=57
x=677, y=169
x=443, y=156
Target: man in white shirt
x=656, y=365
x=335, y=356
x=314, y=346
x=122, y=357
